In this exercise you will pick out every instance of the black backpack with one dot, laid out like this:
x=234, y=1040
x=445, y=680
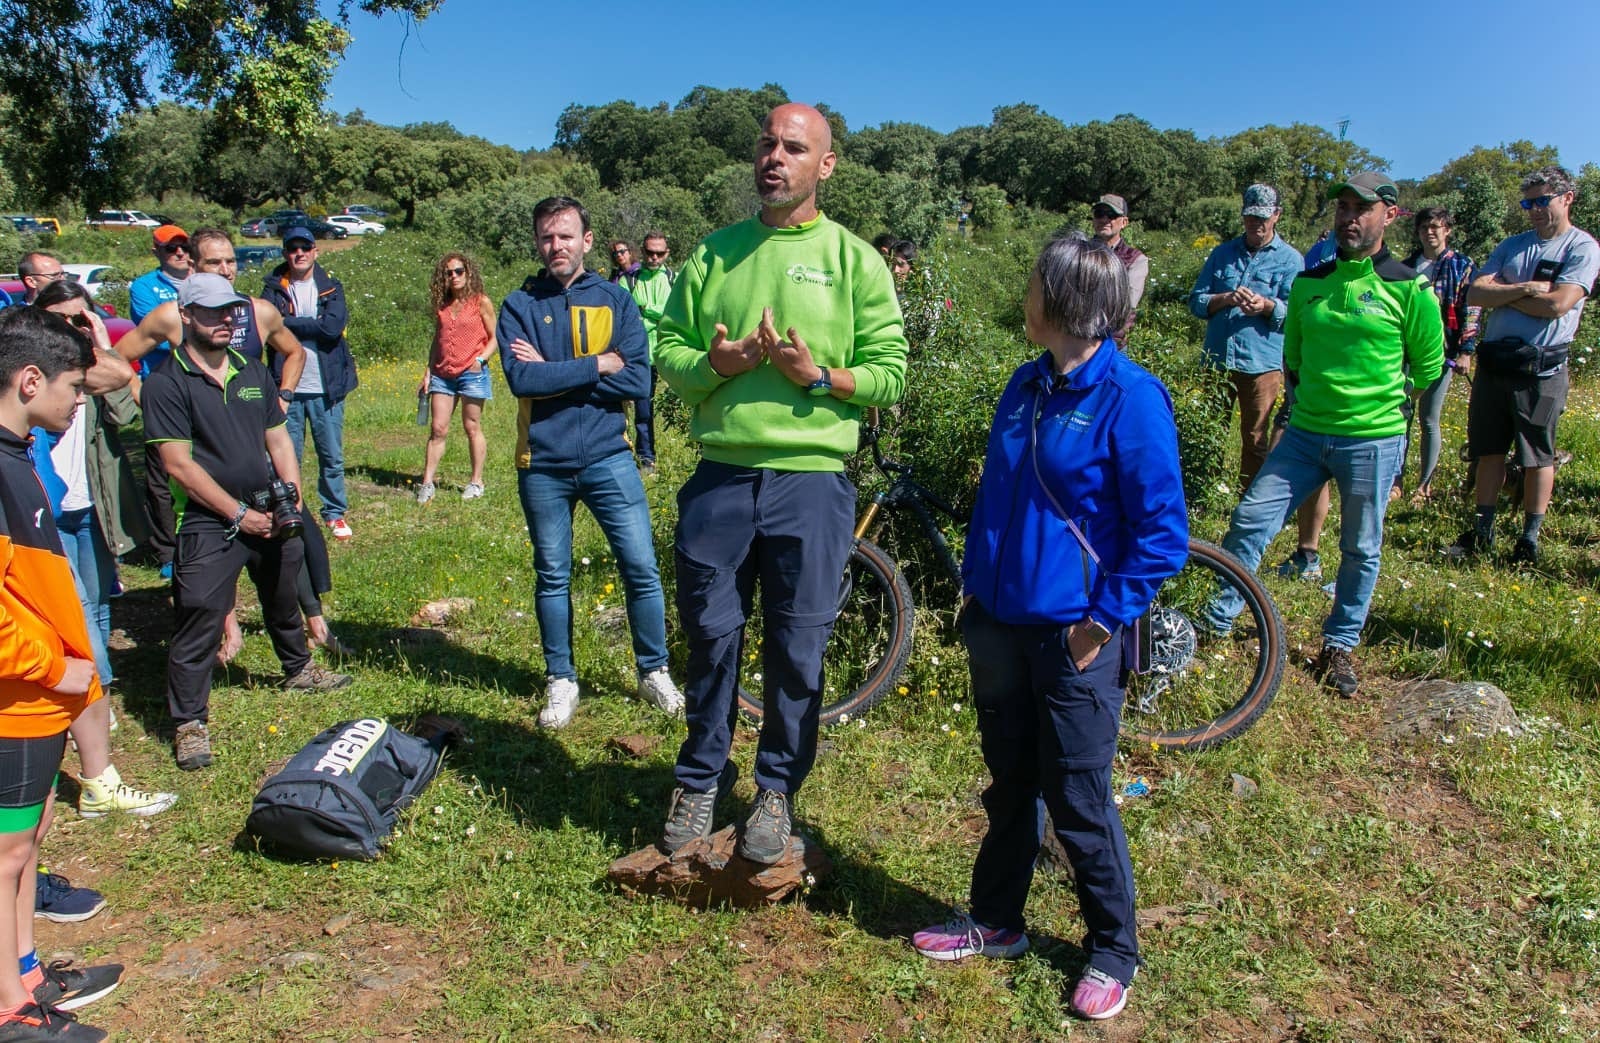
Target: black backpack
x=340, y=796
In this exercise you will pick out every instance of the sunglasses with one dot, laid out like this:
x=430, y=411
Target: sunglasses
x=1542, y=202
x=298, y=249
x=656, y=253
x=455, y=271
x=172, y=248
x=1105, y=214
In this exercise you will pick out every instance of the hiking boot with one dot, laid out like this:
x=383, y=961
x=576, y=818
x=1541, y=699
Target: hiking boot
x=56, y=900
x=1468, y=545
x=1336, y=669
x=472, y=491
x=315, y=678
x=962, y=936
x=1526, y=552
x=560, y=699
x=657, y=689
x=1300, y=565
x=688, y=818
x=425, y=492
x=34, y=1023
x=765, y=838
x=192, y=745
x=108, y=793
x=67, y=987
x=1098, y=996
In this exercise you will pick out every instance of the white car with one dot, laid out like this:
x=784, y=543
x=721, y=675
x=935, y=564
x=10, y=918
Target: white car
x=90, y=276
x=121, y=219
x=355, y=225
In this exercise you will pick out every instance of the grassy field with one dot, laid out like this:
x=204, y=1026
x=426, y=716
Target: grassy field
x=1369, y=890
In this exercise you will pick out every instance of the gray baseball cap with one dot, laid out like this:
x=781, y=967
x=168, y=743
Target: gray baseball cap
x=1260, y=201
x=207, y=290
x=1118, y=205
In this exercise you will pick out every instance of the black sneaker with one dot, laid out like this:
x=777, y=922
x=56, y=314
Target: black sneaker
x=1337, y=670
x=33, y=1024
x=766, y=832
x=688, y=819
x=67, y=987
x=1526, y=552
x=1468, y=545
x=56, y=900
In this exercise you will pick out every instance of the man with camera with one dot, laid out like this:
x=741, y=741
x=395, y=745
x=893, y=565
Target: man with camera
x=215, y=418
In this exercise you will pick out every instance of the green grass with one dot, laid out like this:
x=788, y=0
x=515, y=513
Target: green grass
x=1369, y=890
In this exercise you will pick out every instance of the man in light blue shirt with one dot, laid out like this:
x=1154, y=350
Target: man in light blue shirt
x=1242, y=293
x=149, y=291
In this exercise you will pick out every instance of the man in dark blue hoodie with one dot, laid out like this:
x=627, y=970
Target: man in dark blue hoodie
x=573, y=349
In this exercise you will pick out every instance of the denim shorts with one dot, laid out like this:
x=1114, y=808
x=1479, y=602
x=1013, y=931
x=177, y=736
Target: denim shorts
x=467, y=385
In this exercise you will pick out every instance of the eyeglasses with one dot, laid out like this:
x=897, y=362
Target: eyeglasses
x=619, y=253
x=298, y=249
x=172, y=248
x=1542, y=202
x=455, y=271
x=1106, y=215
x=656, y=253
x=52, y=276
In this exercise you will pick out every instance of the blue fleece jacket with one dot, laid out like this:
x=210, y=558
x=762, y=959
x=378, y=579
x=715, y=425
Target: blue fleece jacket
x=569, y=416
x=1108, y=451
x=322, y=333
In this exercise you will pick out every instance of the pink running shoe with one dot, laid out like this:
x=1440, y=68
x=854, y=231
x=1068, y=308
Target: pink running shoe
x=1099, y=996
x=963, y=936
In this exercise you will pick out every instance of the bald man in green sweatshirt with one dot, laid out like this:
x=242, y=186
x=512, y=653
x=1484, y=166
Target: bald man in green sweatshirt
x=776, y=415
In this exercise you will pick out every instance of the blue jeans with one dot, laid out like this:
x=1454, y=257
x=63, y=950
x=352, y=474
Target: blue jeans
x=1363, y=469
x=94, y=570
x=326, y=418
x=612, y=491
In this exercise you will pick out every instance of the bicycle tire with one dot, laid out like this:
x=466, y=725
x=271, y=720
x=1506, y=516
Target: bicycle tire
x=1210, y=688
x=871, y=640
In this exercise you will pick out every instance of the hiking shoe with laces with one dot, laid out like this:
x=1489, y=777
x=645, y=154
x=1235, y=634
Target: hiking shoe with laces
x=1299, y=566
x=425, y=492
x=765, y=838
x=688, y=818
x=1099, y=996
x=316, y=678
x=1468, y=545
x=657, y=689
x=472, y=491
x=560, y=699
x=1336, y=668
x=1526, y=552
x=34, y=1023
x=192, y=745
x=962, y=936
x=56, y=900
x=66, y=987
x=108, y=793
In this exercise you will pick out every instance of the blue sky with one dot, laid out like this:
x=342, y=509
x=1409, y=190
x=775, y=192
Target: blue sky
x=1477, y=74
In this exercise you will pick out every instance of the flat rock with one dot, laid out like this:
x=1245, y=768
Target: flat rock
x=1437, y=709
x=185, y=963
x=294, y=959
x=1244, y=787
x=438, y=613
x=338, y=923
x=635, y=746
x=707, y=872
x=389, y=978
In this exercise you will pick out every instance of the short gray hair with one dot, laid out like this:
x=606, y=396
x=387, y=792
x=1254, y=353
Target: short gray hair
x=1556, y=179
x=1084, y=286
x=30, y=266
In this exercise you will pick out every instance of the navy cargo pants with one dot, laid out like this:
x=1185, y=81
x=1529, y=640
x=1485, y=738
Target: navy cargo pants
x=791, y=532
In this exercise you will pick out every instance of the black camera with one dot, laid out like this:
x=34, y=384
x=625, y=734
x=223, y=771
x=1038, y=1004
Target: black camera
x=277, y=501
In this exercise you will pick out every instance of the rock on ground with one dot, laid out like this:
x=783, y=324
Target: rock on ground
x=438, y=613
x=707, y=872
x=1435, y=709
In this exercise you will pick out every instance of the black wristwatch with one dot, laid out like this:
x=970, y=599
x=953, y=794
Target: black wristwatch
x=1097, y=630
x=823, y=385
x=286, y=396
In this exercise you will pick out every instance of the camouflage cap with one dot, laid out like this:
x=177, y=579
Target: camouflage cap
x=1118, y=205
x=1260, y=201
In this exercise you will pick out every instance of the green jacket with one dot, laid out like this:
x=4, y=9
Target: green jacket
x=834, y=290
x=118, y=496
x=1352, y=331
x=650, y=288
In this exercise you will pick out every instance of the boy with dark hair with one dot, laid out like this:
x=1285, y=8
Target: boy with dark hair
x=47, y=670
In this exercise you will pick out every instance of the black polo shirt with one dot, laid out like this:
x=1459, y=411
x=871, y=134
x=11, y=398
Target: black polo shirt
x=225, y=425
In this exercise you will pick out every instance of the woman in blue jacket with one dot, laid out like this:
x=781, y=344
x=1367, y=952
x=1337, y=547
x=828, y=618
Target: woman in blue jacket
x=1079, y=519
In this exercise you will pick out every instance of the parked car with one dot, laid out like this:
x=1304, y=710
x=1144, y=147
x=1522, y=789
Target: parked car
x=258, y=256
x=259, y=228
x=365, y=211
x=356, y=225
x=121, y=219
x=92, y=276
x=12, y=291
x=289, y=218
x=50, y=223
x=320, y=229
x=26, y=225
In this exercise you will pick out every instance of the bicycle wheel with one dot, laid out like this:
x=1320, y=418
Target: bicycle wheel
x=1206, y=689
x=871, y=640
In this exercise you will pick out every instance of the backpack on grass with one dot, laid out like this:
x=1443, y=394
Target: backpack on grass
x=340, y=796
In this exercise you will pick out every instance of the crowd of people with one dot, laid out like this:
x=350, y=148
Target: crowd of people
x=776, y=333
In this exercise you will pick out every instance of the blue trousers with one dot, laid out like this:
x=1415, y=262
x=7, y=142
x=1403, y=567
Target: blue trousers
x=791, y=532
x=326, y=418
x=644, y=423
x=1048, y=730
x=94, y=569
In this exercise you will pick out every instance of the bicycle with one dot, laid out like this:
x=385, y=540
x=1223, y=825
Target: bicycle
x=1200, y=691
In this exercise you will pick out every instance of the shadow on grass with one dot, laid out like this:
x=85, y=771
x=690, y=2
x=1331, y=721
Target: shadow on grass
x=386, y=476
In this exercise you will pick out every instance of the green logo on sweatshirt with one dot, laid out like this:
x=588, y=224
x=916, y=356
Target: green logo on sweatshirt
x=814, y=276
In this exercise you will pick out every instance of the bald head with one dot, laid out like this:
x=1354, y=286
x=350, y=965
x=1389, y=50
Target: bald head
x=793, y=155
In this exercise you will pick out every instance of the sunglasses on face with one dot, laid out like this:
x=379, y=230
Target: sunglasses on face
x=455, y=271
x=1541, y=202
x=1105, y=215
x=655, y=253
x=298, y=249
x=172, y=248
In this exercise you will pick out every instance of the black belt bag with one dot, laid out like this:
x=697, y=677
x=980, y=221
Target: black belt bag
x=1516, y=356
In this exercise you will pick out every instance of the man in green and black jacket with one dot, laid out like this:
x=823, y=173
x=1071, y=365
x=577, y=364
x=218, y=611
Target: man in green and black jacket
x=1353, y=329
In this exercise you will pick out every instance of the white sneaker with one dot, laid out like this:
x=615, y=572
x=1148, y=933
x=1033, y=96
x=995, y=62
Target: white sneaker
x=560, y=699
x=472, y=491
x=657, y=689
x=425, y=492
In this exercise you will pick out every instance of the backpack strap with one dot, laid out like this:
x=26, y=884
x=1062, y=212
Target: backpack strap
x=1033, y=451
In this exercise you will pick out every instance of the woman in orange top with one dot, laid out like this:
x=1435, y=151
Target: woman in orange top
x=458, y=367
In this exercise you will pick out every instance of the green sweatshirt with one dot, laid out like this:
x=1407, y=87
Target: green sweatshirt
x=1351, y=331
x=836, y=292
x=650, y=288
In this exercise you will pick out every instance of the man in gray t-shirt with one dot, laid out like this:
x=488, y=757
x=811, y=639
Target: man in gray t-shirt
x=1536, y=284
